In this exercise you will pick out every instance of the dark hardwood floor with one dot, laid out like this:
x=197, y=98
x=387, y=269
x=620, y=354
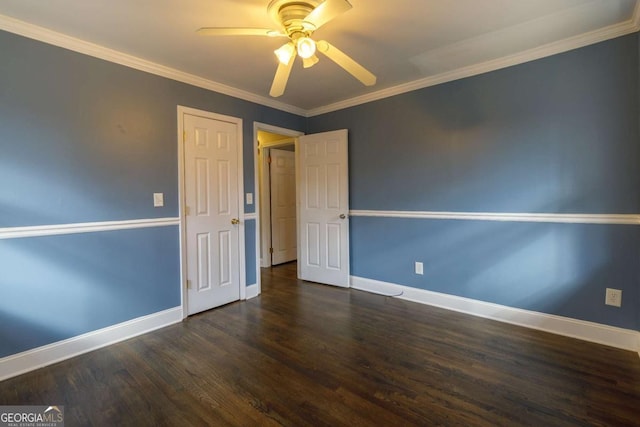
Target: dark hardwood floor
x=307, y=354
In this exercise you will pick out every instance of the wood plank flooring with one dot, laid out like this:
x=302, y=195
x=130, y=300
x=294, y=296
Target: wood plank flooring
x=306, y=354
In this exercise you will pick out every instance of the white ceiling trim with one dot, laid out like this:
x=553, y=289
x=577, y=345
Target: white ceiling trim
x=582, y=40
x=35, y=32
x=45, y=35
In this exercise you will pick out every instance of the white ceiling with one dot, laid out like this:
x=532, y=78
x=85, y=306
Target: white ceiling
x=406, y=43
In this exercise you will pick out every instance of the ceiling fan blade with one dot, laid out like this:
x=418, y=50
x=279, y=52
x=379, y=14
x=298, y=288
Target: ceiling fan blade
x=349, y=65
x=326, y=11
x=281, y=78
x=239, y=31
x=310, y=62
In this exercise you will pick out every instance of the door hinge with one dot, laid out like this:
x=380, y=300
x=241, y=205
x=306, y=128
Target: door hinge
x=187, y=211
x=188, y=284
x=270, y=250
x=269, y=159
x=184, y=136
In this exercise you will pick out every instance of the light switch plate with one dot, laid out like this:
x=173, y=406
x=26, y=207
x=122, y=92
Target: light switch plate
x=419, y=268
x=158, y=200
x=249, y=198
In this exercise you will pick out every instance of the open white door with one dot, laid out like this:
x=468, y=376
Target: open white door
x=212, y=212
x=283, y=206
x=324, y=208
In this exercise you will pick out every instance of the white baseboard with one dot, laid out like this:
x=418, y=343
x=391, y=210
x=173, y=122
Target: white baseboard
x=588, y=331
x=30, y=360
x=252, y=291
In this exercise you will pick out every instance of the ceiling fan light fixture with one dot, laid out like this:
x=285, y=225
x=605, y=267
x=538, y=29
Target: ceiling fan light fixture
x=306, y=47
x=285, y=52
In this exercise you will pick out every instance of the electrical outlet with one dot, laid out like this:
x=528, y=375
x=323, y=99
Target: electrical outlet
x=613, y=297
x=419, y=268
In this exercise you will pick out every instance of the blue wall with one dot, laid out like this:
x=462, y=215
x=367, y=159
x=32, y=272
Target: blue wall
x=56, y=287
x=556, y=135
x=84, y=140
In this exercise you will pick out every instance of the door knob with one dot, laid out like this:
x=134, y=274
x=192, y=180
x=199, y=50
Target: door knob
x=342, y=216
x=235, y=221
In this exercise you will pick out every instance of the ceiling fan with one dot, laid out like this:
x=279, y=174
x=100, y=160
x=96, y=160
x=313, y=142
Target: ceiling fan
x=297, y=20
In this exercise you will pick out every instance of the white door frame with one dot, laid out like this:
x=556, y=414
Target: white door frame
x=263, y=234
x=182, y=204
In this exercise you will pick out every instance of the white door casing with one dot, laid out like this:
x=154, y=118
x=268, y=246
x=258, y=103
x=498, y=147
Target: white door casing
x=323, y=208
x=212, y=212
x=283, y=206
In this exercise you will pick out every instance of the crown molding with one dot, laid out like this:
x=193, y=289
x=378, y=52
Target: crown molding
x=54, y=38
x=565, y=45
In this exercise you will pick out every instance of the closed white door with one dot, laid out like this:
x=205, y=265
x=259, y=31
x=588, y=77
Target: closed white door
x=324, y=208
x=212, y=211
x=283, y=206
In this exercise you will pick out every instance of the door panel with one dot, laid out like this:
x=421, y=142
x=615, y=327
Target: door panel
x=225, y=258
x=313, y=245
x=311, y=186
x=211, y=198
x=324, y=210
x=333, y=186
x=204, y=261
x=333, y=246
x=202, y=187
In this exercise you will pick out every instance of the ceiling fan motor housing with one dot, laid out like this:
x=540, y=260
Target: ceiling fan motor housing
x=290, y=15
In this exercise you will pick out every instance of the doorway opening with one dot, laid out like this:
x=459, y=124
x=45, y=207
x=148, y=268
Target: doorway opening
x=276, y=239
x=321, y=206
